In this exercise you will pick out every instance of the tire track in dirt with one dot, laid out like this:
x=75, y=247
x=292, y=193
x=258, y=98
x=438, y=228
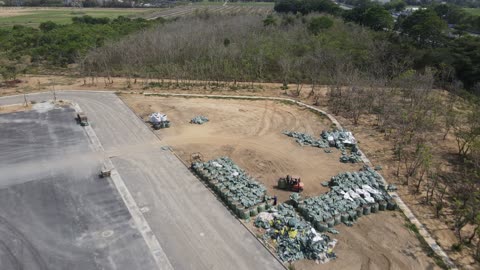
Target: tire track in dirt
x=264, y=124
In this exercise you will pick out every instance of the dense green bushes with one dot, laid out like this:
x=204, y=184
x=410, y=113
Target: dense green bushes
x=60, y=45
x=306, y=6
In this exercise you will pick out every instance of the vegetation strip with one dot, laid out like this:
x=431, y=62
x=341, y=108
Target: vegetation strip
x=403, y=207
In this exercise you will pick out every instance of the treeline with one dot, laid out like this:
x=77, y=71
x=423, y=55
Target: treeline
x=367, y=10
x=457, y=17
x=306, y=6
x=423, y=36
x=290, y=49
x=62, y=3
x=55, y=45
x=34, y=3
x=462, y=3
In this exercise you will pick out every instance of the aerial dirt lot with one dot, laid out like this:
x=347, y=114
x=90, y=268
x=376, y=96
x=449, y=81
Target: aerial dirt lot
x=250, y=133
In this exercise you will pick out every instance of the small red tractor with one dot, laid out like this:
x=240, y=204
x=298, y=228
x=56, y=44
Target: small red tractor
x=292, y=183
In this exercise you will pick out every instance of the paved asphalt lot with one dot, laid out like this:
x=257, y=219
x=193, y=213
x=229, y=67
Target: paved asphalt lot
x=54, y=211
x=193, y=228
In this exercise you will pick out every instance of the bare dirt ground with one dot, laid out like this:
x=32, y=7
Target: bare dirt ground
x=378, y=241
x=380, y=152
x=41, y=83
x=15, y=108
x=10, y=12
x=250, y=133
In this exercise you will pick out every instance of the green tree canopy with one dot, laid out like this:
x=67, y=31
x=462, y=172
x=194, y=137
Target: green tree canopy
x=370, y=15
x=424, y=27
x=377, y=18
x=315, y=25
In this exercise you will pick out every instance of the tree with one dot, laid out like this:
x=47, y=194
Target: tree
x=377, y=18
x=48, y=26
x=396, y=5
x=415, y=160
x=306, y=6
x=466, y=54
x=450, y=13
x=317, y=24
x=467, y=132
x=424, y=27
x=371, y=15
x=270, y=20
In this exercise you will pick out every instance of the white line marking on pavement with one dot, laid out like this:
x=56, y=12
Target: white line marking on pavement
x=142, y=225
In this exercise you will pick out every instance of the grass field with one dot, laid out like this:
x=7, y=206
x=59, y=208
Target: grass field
x=473, y=11
x=208, y=3
x=259, y=8
x=35, y=16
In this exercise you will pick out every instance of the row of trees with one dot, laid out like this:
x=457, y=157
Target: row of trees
x=244, y=48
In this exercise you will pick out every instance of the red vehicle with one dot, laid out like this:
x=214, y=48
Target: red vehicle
x=292, y=183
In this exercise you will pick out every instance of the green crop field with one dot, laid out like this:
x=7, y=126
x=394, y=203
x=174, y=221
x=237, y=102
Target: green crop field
x=473, y=11
x=35, y=16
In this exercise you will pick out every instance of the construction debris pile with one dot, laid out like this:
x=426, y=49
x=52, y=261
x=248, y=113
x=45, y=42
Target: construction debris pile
x=295, y=238
x=159, y=120
x=199, y=120
x=352, y=195
x=341, y=139
x=355, y=155
x=243, y=194
x=305, y=139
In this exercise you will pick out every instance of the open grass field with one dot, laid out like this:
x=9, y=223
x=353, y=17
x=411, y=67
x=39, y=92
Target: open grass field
x=473, y=11
x=245, y=4
x=260, y=8
x=35, y=16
